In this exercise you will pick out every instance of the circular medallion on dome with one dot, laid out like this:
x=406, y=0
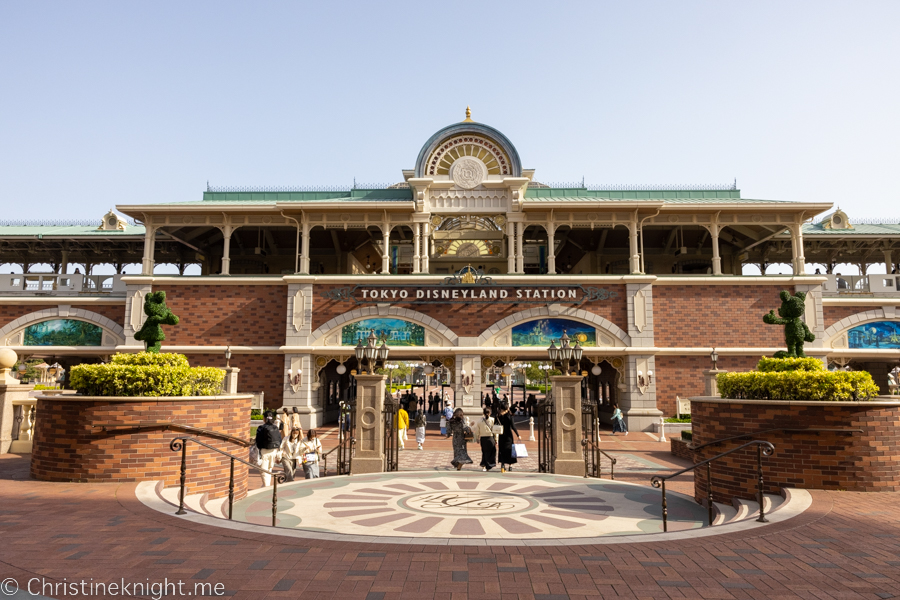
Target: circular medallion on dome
x=468, y=172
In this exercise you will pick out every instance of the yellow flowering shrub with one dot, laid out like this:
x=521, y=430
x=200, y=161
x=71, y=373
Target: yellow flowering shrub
x=796, y=379
x=146, y=374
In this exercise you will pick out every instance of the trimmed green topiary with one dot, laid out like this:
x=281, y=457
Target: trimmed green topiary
x=158, y=314
x=795, y=330
x=796, y=379
x=146, y=374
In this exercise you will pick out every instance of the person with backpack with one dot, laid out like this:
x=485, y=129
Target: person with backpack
x=268, y=441
x=420, y=423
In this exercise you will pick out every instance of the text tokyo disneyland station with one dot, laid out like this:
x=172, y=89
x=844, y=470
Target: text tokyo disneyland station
x=154, y=589
x=470, y=294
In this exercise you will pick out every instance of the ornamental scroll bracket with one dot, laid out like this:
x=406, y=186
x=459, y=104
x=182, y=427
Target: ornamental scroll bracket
x=298, y=318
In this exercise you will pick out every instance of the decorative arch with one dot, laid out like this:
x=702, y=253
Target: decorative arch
x=430, y=324
x=559, y=312
x=835, y=334
x=475, y=135
x=11, y=332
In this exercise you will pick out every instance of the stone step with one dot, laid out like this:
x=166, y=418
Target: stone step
x=745, y=509
x=724, y=513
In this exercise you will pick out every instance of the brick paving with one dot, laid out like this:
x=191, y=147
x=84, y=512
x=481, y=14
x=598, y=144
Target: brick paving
x=846, y=546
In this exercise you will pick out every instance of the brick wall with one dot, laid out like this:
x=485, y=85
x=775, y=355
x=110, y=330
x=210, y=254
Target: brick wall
x=11, y=312
x=681, y=449
x=716, y=315
x=67, y=448
x=833, y=314
x=858, y=462
x=259, y=373
x=684, y=376
x=221, y=315
x=466, y=319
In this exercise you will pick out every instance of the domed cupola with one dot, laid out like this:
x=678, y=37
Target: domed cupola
x=468, y=153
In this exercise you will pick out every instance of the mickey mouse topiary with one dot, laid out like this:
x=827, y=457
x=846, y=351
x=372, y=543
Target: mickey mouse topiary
x=157, y=314
x=795, y=330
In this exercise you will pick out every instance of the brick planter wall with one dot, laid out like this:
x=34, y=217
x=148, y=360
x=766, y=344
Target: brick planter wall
x=866, y=461
x=681, y=449
x=68, y=448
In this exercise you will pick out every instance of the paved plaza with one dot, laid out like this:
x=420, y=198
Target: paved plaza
x=845, y=545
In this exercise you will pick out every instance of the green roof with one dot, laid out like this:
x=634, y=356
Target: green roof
x=586, y=195
x=67, y=231
x=858, y=229
x=355, y=195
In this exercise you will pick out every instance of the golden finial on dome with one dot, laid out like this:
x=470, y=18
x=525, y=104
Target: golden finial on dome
x=468, y=116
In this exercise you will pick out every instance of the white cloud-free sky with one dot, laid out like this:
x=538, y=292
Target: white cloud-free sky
x=107, y=103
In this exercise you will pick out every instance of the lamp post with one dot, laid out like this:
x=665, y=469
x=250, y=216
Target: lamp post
x=546, y=369
x=714, y=357
x=566, y=354
x=390, y=367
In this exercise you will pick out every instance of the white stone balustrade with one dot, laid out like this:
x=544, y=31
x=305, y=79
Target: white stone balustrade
x=56, y=284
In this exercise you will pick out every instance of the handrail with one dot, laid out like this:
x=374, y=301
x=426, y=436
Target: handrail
x=180, y=443
x=171, y=425
x=763, y=448
x=612, y=466
x=352, y=441
x=784, y=429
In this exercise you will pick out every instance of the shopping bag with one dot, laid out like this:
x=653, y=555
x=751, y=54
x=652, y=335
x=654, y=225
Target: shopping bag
x=519, y=451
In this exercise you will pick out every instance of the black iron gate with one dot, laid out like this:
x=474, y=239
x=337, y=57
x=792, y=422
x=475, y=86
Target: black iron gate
x=347, y=436
x=589, y=428
x=391, y=440
x=546, y=414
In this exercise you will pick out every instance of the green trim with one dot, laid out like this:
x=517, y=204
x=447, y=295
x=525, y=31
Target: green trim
x=391, y=195
x=586, y=194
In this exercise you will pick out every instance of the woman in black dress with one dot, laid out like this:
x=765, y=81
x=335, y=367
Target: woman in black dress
x=456, y=427
x=505, y=441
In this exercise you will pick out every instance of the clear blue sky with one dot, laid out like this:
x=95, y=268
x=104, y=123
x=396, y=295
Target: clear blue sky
x=107, y=103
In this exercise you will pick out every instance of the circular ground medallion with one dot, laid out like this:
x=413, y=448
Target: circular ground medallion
x=436, y=506
x=467, y=502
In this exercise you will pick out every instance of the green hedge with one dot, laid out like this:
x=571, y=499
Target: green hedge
x=146, y=374
x=796, y=379
x=772, y=365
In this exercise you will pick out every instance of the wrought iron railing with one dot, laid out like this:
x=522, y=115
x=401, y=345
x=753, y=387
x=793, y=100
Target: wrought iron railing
x=167, y=425
x=594, y=465
x=180, y=443
x=762, y=449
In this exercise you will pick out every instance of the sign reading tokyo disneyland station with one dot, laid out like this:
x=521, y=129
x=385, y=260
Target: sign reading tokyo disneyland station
x=469, y=262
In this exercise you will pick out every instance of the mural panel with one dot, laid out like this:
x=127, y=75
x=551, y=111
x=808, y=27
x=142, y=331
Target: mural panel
x=541, y=332
x=63, y=332
x=882, y=334
x=396, y=332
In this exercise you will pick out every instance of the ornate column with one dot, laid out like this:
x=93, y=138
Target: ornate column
x=551, y=248
x=511, y=253
x=633, y=248
x=425, y=258
x=567, y=431
x=386, y=249
x=797, y=243
x=716, y=258
x=304, y=249
x=369, y=457
x=520, y=256
x=227, y=230
x=888, y=261
x=149, y=242
x=416, y=254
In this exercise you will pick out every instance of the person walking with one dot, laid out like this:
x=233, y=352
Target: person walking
x=420, y=423
x=401, y=424
x=456, y=425
x=295, y=422
x=618, y=420
x=446, y=415
x=505, y=439
x=268, y=440
x=484, y=432
x=311, y=454
x=290, y=453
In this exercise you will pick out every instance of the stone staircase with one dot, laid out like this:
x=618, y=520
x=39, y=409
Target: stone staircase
x=198, y=503
x=745, y=510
